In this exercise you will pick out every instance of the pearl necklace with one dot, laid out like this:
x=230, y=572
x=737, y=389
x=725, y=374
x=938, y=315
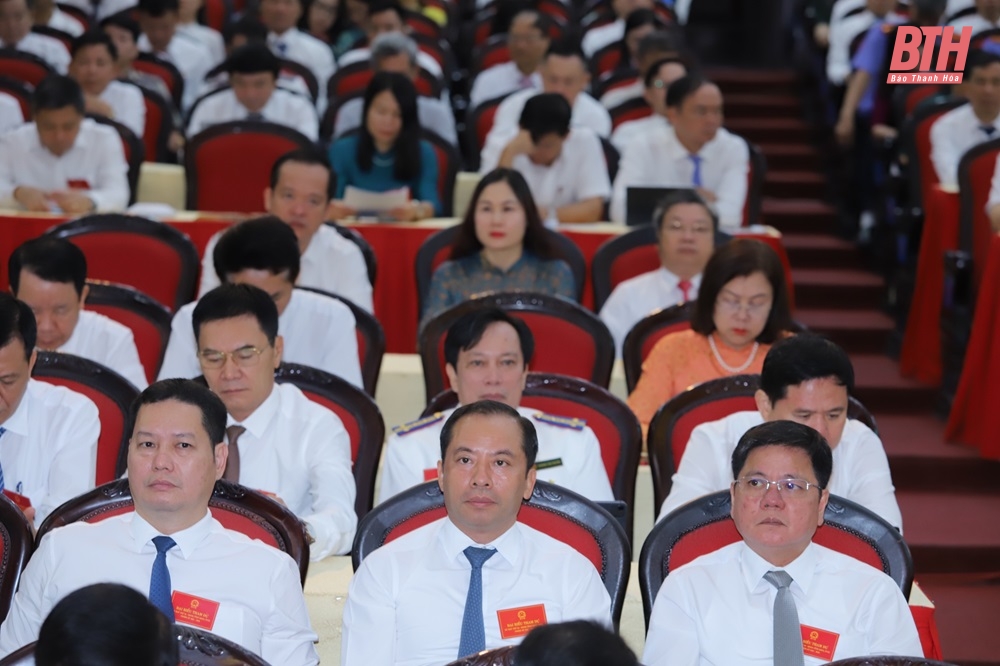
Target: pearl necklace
x=725, y=366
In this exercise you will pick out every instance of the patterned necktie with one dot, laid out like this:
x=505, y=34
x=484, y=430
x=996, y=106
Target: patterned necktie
x=255, y=115
x=232, y=472
x=685, y=287
x=159, y=579
x=473, y=638
x=2, y=431
x=787, y=632
x=989, y=130
x=696, y=175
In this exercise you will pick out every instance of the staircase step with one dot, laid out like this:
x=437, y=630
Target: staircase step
x=951, y=532
x=857, y=331
x=795, y=184
x=880, y=387
x=837, y=288
x=742, y=105
x=772, y=130
x=799, y=215
x=792, y=156
x=735, y=80
x=820, y=251
x=965, y=611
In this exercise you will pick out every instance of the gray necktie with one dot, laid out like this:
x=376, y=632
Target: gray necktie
x=787, y=634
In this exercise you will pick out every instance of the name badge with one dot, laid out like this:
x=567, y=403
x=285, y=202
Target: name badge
x=77, y=184
x=430, y=473
x=818, y=643
x=548, y=464
x=195, y=611
x=515, y=622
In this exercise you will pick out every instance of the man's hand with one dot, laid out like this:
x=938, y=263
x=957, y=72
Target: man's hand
x=73, y=202
x=32, y=198
x=519, y=145
x=844, y=130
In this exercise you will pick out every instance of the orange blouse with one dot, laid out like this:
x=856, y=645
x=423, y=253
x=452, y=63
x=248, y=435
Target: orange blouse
x=679, y=361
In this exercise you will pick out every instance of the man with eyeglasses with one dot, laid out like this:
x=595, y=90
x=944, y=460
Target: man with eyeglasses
x=527, y=41
x=685, y=232
x=280, y=442
x=806, y=379
x=776, y=597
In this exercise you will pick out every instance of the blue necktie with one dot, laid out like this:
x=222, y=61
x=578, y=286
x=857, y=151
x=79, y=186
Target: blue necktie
x=473, y=638
x=2, y=431
x=989, y=130
x=159, y=580
x=696, y=176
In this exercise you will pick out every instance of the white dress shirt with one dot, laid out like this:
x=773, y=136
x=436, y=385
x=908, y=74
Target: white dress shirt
x=192, y=59
x=635, y=298
x=407, y=599
x=331, y=263
x=618, y=96
x=661, y=161
x=319, y=331
x=205, y=35
x=305, y=49
x=639, y=129
x=952, y=135
x=499, y=80
x=11, y=116
x=298, y=450
x=105, y=341
x=718, y=609
x=105, y=8
x=587, y=112
x=599, y=37
x=432, y=114
x=860, y=467
x=978, y=22
x=49, y=450
x=257, y=587
x=60, y=20
x=49, y=49
x=97, y=158
x=283, y=107
x=568, y=455
x=842, y=33
x=126, y=101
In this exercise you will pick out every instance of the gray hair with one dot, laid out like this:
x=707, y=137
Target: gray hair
x=391, y=44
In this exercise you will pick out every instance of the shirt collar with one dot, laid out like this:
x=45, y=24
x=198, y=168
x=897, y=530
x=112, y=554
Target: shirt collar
x=676, y=151
x=261, y=417
x=455, y=541
x=187, y=540
x=17, y=422
x=801, y=569
x=673, y=280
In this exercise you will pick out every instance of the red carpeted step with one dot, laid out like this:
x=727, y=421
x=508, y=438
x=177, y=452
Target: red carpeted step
x=966, y=612
x=820, y=251
x=837, y=288
x=734, y=80
x=882, y=389
x=743, y=105
x=951, y=532
x=795, y=184
x=857, y=331
x=772, y=130
x=799, y=215
x=792, y=156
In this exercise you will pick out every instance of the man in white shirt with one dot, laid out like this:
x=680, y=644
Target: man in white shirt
x=565, y=169
x=564, y=71
x=11, y=115
x=93, y=66
x=805, y=379
x=965, y=127
x=395, y=52
x=45, y=12
x=597, y=38
x=385, y=16
x=158, y=19
x=49, y=275
x=62, y=161
x=656, y=82
x=254, y=95
x=685, y=231
x=280, y=442
x=319, y=331
x=487, y=354
x=15, y=33
x=287, y=41
x=420, y=600
x=48, y=434
x=300, y=197
x=527, y=40
x=694, y=151
x=171, y=547
x=986, y=17
x=188, y=26
x=777, y=597
x=845, y=29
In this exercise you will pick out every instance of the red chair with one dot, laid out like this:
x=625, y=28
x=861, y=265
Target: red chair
x=361, y=418
x=907, y=98
x=25, y=67
x=704, y=526
x=64, y=38
x=209, y=157
x=613, y=80
x=162, y=69
x=560, y=513
x=121, y=248
x=159, y=126
x=135, y=151
x=423, y=26
x=349, y=80
x=644, y=336
x=621, y=258
x=632, y=109
x=237, y=508
x=216, y=13
x=109, y=391
x=612, y=421
x=606, y=59
x=16, y=546
x=20, y=91
x=916, y=145
x=975, y=174
x=569, y=340
x=478, y=126
x=148, y=320
x=671, y=426
x=77, y=13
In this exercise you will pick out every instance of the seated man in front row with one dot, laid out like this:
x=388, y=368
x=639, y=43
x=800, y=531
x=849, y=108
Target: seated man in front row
x=776, y=597
x=446, y=590
x=280, y=441
x=807, y=379
x=171, y=546
x=487, y=354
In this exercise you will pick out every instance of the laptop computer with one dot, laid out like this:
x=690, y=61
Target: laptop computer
x=640, y=202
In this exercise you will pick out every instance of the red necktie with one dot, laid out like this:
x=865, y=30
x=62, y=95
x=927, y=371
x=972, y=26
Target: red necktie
x=685, y=287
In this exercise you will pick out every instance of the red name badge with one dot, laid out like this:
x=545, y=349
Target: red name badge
x=21, y=501
x=195, y=611
x=430, y=474
x=77, y=184
x=516, y=622
x=818, y=643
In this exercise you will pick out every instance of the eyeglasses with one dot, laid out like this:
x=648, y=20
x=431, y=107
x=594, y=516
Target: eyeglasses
x=244, y=357
x=790, y=489
x=678, y=228
x=734, y=305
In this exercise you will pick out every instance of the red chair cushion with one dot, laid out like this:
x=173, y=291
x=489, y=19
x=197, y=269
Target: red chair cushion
x=705, y=413
x=223, y=188
x=23, y=70
x=633, y=263
x=981, y=176
x=349, y=420
x=146, y=334
x=240, y=523
x=604, y=428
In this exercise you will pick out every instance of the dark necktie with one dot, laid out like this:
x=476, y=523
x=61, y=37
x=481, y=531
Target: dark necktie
x=2, y=431
x=254, y=115
x=159, y=579
x=473, y=638
x=989, y=130
x=696, y=175
x=232, y=472
x=685, y=287
x=787, y=632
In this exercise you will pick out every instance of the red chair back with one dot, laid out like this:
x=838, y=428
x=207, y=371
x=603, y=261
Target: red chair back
x=975, y=175
x=25, y=67
x=168, y=72
x=494, y=51
x=606, y=59
x=148, y=320
x=159, y=126
x=921, y=129
x=643, y=337
x=217, y=13
x=633, y=109
x=349, y=80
